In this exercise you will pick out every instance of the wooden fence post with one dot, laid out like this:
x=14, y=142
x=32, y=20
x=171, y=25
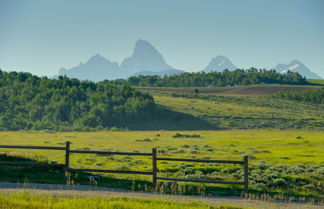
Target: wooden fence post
x=246, y=174
x=154, y=166
x=67, y=161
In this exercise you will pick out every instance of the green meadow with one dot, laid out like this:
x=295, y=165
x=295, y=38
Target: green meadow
x=279, y=146
x=281, y=161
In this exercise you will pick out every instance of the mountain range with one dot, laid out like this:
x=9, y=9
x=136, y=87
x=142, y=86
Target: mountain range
x=147, y=60
x=298, y=67
x=95, y=69
x=219, y=64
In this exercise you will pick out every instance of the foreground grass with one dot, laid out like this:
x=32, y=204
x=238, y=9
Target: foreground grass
x=285, y=161
x=28, y=201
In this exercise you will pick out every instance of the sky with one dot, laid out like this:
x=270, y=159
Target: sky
x=41, y=36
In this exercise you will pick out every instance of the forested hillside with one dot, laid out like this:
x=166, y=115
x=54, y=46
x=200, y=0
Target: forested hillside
x=215, y=79
x=30, y=102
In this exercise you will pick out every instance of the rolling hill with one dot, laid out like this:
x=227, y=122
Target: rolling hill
x=250, y=90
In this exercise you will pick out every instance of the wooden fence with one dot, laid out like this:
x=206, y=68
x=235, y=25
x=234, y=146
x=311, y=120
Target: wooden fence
x=66, y=167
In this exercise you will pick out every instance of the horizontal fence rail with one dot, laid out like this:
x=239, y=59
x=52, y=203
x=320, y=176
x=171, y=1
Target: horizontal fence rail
x=200, y=180
x=31, y=165
x=113, y=171
x=66, y=167
x=201, y=161
x=110, y=153
x=32, y=147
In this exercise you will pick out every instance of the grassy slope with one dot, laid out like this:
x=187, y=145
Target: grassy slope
x=228, y=112
x=316, y=81
x=245, y=90
x=28, y=201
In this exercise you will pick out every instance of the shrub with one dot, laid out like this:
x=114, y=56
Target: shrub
x=280, y=183
x=185, y=146
x=178, y=135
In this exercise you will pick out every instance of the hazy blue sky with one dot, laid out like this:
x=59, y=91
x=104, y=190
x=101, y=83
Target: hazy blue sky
x=43, y=36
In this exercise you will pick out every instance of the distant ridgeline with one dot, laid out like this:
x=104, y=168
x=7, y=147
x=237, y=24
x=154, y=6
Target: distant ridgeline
x=30, y=102
x=216, y=79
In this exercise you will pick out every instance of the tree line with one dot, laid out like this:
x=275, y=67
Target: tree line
x=311, y=95
x=28, y=102
x=214, y=79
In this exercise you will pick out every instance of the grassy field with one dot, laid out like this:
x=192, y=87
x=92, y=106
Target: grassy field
x=290, y=161
x=188, y=111
x=28, y=201
x=316, y=81
x=281, y=144
x=241, y=112
x=249, y=90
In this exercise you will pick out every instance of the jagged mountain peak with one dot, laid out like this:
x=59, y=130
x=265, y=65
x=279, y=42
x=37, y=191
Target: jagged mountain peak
x=97, y=58
x=220, y=60
x=145, y=49
x=145, y=57
x=219, y=64
x=220, y=57
x=142, y=44
x=298, y=67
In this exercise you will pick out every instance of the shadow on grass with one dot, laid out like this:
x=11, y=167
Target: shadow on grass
x=27, y=175
x=45, y=175
x=165, y=119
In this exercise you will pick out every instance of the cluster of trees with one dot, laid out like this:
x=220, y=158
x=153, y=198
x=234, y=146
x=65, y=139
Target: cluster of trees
x=215, y=79
x=30, y=102
x=312, y=95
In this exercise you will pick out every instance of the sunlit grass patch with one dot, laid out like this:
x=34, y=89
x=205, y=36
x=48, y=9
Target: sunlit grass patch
x=29, y=201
